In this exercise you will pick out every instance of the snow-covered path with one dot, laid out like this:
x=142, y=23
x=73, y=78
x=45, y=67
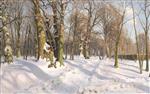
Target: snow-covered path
x=80, y=76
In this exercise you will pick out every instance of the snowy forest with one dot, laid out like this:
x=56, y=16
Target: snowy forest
x=74, y=46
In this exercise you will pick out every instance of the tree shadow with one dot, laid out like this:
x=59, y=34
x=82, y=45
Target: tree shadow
x=87, y=72
x=18, y=67
x=38, y=72
x=11, y=80
x=129, y=65
x=144, y=88
x=65, y=88
x=112, y=72
x=130, y=70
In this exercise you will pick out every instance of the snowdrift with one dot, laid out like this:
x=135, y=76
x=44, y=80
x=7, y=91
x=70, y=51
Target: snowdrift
x=79, y=76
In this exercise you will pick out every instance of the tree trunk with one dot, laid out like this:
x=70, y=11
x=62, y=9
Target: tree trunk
x=59, y=32
x=56, y=27
x=25, y=44
x=18, y=42
x=137, y=45
x=85, y=50
x=8, y=50
x=147, y=57
x=72, y=51
x=136, y=37
x=12, y=36
x=40, y=28
x=106, y=48
x=61, y=45
x=66, y=49
x=0, y=48
x=116, y=55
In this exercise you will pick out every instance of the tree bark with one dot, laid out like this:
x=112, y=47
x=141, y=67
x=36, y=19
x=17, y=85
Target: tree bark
x=18, y=54
x=137, y=45
x=116, y=55
x=147, y=57
x=40, y=28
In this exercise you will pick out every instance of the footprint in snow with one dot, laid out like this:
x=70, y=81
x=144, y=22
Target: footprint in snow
x=43, y=88
x=73, y=72
x=122, y=86
x=92, y=91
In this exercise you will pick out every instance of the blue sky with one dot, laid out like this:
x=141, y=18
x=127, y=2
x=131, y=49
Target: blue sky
x=129, y=15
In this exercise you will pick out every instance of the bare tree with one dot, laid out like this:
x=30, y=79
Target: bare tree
x=78, y=25
x=119, y=30
x=92, y=20
x=145, y=23
x=17, y=25
x=75, y=22
x=136, y=37
x=108, y=16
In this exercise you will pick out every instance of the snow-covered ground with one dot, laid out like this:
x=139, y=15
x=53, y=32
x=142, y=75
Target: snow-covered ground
x=80, y=76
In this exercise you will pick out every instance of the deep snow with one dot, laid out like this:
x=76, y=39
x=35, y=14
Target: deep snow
x=80, y=76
